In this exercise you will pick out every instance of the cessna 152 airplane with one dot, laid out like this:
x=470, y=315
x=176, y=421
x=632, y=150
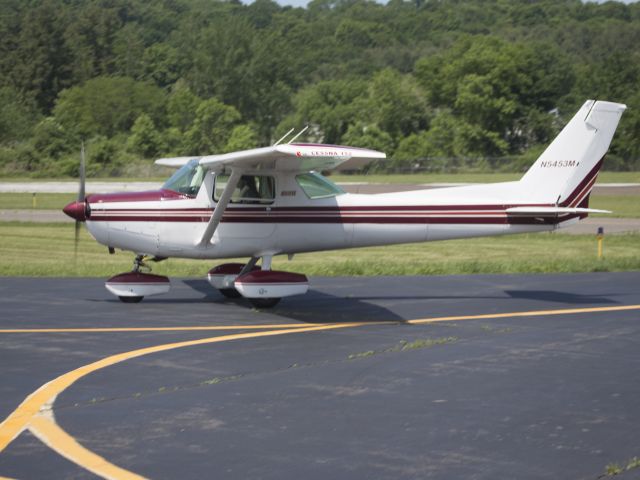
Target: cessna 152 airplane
x=271, y=201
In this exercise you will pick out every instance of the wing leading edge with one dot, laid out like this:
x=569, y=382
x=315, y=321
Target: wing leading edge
x=289, y=157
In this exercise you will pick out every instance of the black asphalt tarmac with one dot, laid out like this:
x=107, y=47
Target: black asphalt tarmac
x=502, y=397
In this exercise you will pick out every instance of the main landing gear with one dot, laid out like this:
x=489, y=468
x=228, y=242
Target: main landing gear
x=223, y=278
x=262, y=286
x=133, y=286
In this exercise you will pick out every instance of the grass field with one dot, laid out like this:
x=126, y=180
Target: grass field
x=43, y=201
x=622, y=206
x=626, y=206
x=28, y=249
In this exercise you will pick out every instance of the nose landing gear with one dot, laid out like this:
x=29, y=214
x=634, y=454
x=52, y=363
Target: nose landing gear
x=133, y=286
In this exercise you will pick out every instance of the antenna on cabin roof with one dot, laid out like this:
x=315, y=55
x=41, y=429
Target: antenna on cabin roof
x=298, y=134
x=283, y=137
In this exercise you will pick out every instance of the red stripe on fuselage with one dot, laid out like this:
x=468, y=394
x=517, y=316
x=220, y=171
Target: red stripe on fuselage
x=146, y=196
x=497, y=219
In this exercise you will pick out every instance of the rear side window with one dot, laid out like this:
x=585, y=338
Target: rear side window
x=251, y=189
x=315, y=185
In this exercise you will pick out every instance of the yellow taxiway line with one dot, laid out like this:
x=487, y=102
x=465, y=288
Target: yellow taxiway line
x=32, y=412
x=531, y=313
x=418, y=321
x=153, y=329
x=60, y=441
x=19, y=419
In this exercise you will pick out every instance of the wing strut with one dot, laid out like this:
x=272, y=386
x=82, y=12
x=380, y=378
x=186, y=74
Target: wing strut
x=216, y=216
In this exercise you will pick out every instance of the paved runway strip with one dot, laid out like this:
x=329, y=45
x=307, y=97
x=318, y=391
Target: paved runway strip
x=368, y=305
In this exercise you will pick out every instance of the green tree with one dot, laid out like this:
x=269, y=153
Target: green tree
x=52, y=140
x=626, y=143
x=490, y=72
x=220, y=59
x=242, y=137
x=362, y=34
x=212, y=128
x=145, y=138
x=181, y=107
x=40, y=62
x=128, y=51
x=493, y=86
x=396, y=103
x=161, y=64
x=107, y=105
x=92, y=36
x=17, y=116
x=368, y=136
x=330, y=106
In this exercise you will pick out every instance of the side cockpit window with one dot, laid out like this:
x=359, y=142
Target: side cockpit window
x=315, y=186
x=187, y=180
x=251, y=189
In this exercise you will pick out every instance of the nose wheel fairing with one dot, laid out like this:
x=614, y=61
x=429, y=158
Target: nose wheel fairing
x=137, y=285
x=133, y=286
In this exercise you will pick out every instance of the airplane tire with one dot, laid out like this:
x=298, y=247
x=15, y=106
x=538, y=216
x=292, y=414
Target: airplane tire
x=264, y=302
x=131, y=299
x=230, y=292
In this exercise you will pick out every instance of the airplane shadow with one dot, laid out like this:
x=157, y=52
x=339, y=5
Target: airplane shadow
x=313, y=307
x=561, y=297
x=319, y=307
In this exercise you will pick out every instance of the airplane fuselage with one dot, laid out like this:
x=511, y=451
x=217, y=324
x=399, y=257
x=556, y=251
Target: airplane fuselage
x=165, y=223
x=269, y=201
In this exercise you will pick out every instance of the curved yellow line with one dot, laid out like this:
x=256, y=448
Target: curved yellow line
x=60, y=441
x=18, y=420
x=153, y=329
x=26, y=415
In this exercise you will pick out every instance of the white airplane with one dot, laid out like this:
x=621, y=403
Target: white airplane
x=271, y=201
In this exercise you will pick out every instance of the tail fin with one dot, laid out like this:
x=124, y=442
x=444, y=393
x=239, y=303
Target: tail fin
x=565, y=172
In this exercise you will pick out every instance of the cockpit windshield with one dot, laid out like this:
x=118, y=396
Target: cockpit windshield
x=187, y=179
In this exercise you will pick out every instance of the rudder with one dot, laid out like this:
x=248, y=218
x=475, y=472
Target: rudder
x=566, y=171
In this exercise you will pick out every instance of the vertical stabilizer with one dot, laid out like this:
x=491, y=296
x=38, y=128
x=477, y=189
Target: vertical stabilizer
x=565, y=172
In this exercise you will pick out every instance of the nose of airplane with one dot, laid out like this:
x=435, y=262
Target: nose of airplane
x=76, y=210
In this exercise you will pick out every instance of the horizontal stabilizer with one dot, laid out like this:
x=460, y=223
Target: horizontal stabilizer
x=549, y=211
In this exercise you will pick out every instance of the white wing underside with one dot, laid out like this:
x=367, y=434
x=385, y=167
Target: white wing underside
x=289, y=157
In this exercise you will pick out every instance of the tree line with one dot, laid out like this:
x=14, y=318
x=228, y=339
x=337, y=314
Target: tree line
x=442, y=85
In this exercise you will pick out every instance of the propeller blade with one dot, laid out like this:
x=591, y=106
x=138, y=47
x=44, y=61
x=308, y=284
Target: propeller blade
x=76, y=239
x=81, y=198
x=81, y=191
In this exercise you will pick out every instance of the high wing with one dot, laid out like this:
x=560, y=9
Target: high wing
x=293, y=157
x=289, y=157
